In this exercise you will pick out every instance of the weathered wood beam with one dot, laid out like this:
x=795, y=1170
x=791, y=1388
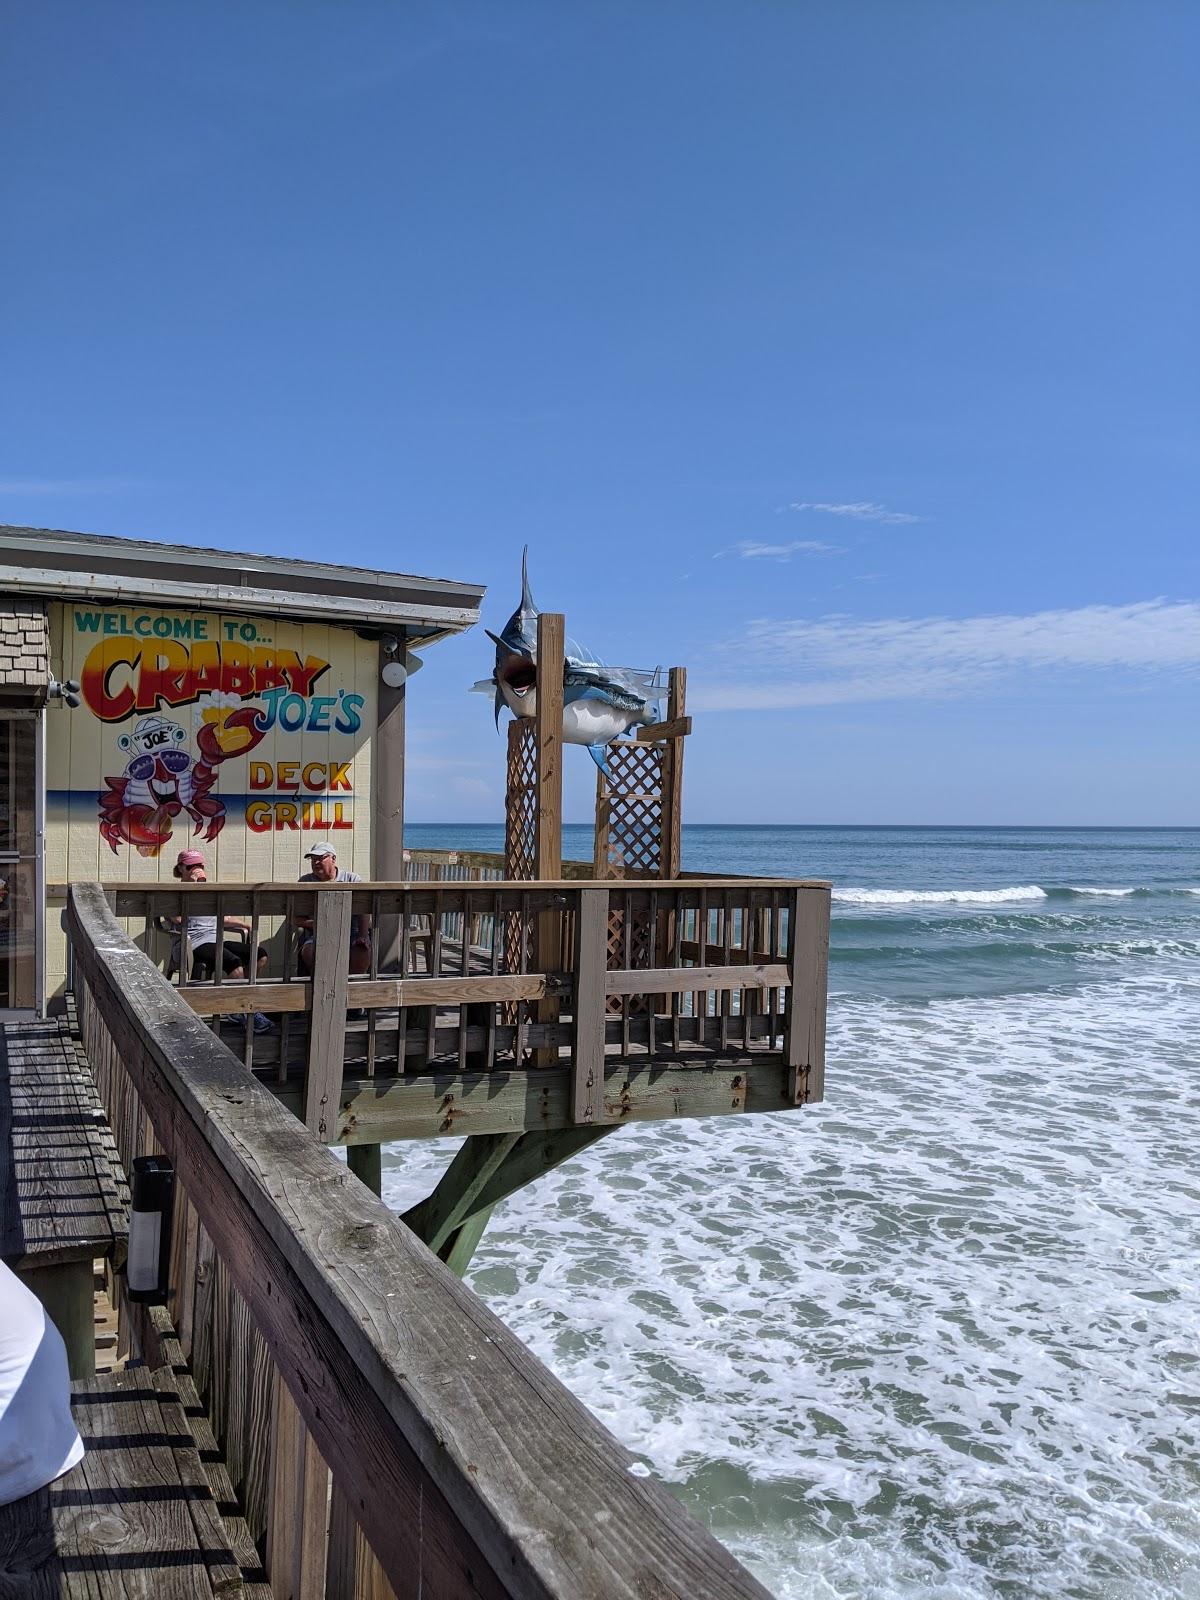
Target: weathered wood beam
x=551, y=651
x=366, y=1163
x=371, y=993
x=327, y=1028
x=423, y=1105
x=441, y=1213
x=487, y=1169
x=685, y=980
x=677, y=728
x=808, y=958
x=463, y=1242
x=533, y=1155
x=587, y=1065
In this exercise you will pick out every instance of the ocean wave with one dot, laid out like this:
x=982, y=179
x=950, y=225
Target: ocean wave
x=933, y=897
x=961, y=1368
x=1016, y=894
x=1002, y=952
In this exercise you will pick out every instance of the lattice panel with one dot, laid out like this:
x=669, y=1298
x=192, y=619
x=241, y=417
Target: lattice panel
x=630, y=811
x=520, y=834
x=629, y=843
x=520, y=804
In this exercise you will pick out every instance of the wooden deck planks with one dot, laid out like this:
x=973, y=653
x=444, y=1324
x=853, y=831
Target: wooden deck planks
x=60, y=1199
x=135, y=1520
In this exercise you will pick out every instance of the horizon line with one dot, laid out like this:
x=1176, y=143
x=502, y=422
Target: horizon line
x=1024, y=827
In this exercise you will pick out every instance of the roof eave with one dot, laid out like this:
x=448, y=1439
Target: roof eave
x=433, y=620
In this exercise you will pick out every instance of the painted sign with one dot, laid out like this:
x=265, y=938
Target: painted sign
x=201, y=719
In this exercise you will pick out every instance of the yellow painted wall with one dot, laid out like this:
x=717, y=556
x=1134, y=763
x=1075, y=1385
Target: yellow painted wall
x=244, y=719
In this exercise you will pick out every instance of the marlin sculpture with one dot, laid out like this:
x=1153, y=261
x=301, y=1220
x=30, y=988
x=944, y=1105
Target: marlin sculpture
x=600, y=703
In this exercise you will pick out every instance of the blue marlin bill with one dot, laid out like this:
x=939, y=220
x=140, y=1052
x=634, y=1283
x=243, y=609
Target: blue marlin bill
x=600, y=703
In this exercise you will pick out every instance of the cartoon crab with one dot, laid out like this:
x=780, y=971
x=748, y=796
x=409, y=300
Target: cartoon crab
x=160, y=781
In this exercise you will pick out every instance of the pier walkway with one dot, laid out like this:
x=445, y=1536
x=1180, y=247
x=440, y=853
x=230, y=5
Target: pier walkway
x=321, y=1407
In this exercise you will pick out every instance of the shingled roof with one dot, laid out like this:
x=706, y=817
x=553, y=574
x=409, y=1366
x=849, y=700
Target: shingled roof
x=24, y=650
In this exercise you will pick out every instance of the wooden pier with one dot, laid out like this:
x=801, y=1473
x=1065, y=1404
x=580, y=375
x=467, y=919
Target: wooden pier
x=335, y=1413
x=658, y=1000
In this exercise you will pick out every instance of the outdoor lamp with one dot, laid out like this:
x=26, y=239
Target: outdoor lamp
x=151, y=1192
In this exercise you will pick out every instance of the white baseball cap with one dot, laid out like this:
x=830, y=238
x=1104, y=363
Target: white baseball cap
x=319, y=852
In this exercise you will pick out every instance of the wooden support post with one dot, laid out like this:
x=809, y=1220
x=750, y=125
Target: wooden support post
x=67, y=1294
x=487, y=1169
x=551, y=646
x=366, y=1163
x=461, y=1245
x=387, y=828
x=439, y=1216
x=327, y=1020
x=672, y=800
x=534, y=1154
x=298, y=1506
x=804, y=1025
x=591, y=1000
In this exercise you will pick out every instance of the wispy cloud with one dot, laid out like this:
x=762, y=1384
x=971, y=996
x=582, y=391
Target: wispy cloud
x=837, y=660
x=68, y=486
x=857, y=510
x=755, y=550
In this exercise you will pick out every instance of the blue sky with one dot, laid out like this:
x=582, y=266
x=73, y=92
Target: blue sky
x=844, y=353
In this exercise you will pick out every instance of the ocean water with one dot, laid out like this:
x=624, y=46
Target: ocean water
x=939, y=1335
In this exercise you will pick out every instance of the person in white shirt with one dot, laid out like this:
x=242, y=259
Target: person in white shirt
x=325, y=870
x=38, y=1438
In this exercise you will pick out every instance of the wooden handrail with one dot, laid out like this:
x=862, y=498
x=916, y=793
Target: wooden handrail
x=209, y=999
x=471, y=1470
x=129, y=894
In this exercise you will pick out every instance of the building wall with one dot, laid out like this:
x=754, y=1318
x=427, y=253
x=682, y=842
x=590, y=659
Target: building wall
x=247, y=737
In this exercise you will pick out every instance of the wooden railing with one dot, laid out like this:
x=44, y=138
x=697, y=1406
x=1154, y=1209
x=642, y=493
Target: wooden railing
x=497, y=973
x=473, y=866
x=325, y=1344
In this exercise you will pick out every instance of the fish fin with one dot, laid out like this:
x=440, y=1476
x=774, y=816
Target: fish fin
x=599, y=754
x=499, y=706
x=501, y=644
x=526, y=598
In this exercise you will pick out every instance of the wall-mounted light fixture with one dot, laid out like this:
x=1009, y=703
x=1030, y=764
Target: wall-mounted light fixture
x=67, y=692
x=152, y=1189
x=398, y=665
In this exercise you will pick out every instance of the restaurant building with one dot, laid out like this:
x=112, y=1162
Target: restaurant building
x=154, y=697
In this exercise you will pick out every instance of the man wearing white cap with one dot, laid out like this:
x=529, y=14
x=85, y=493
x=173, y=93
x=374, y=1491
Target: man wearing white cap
x=325, y=870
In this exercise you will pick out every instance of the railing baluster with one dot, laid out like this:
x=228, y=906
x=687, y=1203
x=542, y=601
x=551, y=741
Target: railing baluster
x=700, y=1001
x=489, y=1053
x=676, y=961
x=405, y=959
x=589, y=1005
x=776, y=945
x=627, y=963
x=464, y=972
x=730, y=995
x=655, y=1000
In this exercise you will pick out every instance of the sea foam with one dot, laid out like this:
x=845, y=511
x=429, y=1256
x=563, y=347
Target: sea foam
x=933, y=897
x=934, y=1337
